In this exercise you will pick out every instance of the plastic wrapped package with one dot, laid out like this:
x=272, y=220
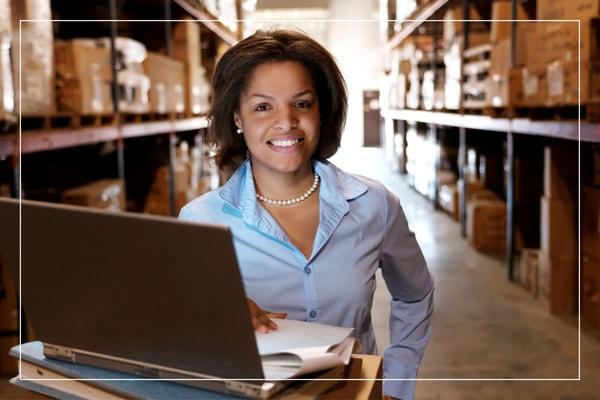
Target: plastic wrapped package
x=199, y=91
x=7, y=102
x=133, y=83
x=134, y=87
x=35, y=50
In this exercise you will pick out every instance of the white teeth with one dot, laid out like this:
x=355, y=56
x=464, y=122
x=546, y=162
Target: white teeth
x=284, y=143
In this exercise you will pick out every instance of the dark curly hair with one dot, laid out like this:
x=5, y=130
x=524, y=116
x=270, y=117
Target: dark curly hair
x=232, y=76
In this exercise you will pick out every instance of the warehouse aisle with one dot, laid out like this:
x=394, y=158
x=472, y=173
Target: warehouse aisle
x=484, y=326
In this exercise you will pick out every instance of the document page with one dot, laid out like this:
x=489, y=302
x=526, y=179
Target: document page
x=300, y=334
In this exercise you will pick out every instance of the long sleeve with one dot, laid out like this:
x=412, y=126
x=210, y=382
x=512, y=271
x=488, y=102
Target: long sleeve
x=411, y=286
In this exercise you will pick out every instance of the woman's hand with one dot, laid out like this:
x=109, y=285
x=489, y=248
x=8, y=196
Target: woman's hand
x=261, y=319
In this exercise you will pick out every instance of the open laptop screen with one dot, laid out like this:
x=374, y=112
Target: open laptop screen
x=150, y=289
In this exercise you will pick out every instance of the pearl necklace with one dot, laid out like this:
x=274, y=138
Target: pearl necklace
x=295, y=200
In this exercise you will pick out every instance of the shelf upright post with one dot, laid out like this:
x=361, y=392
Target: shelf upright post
x=510, y=161
x=462, y=161
x=172, y=137
x=115, y=90
x=433, y=127
x=510, y=201
x=402, y=132
x=15, y=189
x=462, y=148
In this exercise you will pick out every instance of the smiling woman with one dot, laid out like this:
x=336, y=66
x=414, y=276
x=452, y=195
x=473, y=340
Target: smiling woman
x=308, y=236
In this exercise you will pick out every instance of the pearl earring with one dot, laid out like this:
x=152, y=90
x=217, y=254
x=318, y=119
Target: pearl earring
x=239, y=131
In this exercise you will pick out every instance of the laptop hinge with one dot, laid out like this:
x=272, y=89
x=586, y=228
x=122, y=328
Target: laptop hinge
x=243, y=388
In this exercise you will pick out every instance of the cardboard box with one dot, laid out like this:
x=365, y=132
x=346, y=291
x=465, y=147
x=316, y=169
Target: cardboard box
x=505, y=89
x=560, y=173
x=528, y=270
x=166, y=83
x=363, y=380
x=567, y=9
x=448, y=199
x=557, y=228
x=185, y=45
x=556, y=282
x=590, y=221
x=590, y=290
x=106, y=194
x=534, y=87
x=473, y=186
x=197, y=90
x=486, y=225
x=83, y=76
x=186, y=48
x=453, y=24
x=502, y=10
x=562, y=41
x=37, y=56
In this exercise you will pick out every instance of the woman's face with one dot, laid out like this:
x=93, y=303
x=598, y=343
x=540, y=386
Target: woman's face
x=279, y=114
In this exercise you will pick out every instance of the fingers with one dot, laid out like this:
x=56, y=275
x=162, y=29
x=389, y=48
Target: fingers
x=261, y=319
x=276, y=315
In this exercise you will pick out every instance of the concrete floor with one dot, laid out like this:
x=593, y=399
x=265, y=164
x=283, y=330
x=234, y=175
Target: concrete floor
x=484, y=327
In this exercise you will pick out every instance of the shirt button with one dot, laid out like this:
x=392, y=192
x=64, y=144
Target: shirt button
x=307, y=270
x=313, y=314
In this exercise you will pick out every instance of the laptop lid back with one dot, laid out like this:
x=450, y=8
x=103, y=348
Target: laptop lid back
x=150, y=289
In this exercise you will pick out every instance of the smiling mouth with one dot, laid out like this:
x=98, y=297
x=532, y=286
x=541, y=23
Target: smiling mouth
x=285, y=142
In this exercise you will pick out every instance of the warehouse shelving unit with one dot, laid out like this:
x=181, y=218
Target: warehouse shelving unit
x=13, y=146
x=396, y=120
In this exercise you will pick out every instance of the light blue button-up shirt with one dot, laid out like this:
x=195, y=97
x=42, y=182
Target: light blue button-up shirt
x=361, y=228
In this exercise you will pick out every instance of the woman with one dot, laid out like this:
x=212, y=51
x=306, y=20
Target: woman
x=309, y=237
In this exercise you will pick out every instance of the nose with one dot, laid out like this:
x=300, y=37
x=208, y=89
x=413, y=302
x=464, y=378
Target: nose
x=286, y=118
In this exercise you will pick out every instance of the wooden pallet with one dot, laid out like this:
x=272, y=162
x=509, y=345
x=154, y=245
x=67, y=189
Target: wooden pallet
x=589, y=112
x=73, y=120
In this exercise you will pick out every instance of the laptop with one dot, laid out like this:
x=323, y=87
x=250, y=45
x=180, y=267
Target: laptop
x=146, y=295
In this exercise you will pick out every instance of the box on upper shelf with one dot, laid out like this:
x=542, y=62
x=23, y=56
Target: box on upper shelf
x=166, y=75
x=500, y=28
x=186, y=47
x=83, y=77
x=33, y=46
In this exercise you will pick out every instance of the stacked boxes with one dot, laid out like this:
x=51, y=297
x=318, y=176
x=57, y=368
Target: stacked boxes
x=486, y=224
x=7, y=95
x=504, y=84
x=529, y=269
x=186, y=49
x=35, y=55
x=188, y=183
x=550, y=76
x=557, y=259
x=476, y=76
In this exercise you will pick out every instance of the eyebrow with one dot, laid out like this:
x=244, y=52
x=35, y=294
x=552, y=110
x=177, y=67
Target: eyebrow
x=264, y=96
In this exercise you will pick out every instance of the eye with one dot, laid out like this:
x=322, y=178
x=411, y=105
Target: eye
x=303, y=104
x=261, y=107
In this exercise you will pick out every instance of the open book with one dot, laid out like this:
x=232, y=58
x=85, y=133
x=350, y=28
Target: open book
x=297, y=348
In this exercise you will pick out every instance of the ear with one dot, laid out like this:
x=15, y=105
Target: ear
x=237, y=119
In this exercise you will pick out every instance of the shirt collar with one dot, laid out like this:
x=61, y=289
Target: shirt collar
x=240, y=191
x=336, y=190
